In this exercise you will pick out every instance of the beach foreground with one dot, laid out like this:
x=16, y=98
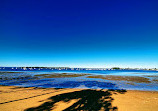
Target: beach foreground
x=36, y=99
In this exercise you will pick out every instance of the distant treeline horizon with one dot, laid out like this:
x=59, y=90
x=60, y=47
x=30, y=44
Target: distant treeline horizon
x=38, y=67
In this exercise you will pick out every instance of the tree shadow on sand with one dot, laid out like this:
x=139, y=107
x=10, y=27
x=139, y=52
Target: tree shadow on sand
x=88, y=100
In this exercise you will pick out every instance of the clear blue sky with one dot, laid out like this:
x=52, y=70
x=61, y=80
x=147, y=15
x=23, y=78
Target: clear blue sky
x=79, y=33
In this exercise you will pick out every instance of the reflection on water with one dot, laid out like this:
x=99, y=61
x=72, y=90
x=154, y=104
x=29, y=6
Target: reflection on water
x=70, y=79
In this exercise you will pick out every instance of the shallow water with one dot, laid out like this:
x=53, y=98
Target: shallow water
x=29, y=79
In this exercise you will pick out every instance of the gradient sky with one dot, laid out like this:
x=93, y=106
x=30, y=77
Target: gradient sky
x=79, y=33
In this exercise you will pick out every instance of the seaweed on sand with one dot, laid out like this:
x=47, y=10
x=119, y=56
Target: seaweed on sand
x=62, y=75
x=136, y=79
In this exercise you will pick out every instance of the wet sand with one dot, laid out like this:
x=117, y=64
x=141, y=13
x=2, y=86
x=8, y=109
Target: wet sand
x=123, y=78
x=19, y=99
x=60, y=75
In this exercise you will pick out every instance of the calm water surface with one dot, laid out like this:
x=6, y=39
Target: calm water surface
x=28, y=79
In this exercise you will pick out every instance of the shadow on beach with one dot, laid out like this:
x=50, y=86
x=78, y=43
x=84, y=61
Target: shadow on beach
x=88, y=100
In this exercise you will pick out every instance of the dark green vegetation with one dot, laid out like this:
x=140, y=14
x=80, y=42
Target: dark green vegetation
x=61, y=75
x=88, y=100
x=123, y=78
x=116, y=68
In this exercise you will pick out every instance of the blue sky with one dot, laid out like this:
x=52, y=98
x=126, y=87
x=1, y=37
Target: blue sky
x=79, y=33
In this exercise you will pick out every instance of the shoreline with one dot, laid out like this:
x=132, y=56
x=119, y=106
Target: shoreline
x=24, y=98
x=81, y=88
x=146, y=82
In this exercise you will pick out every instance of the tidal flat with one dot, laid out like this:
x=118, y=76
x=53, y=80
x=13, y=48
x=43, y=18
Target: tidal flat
x=60, y=75
x=142, y=80
x=136, y=79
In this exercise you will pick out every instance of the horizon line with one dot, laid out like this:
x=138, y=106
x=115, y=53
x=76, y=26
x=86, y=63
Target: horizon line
x=85, y=67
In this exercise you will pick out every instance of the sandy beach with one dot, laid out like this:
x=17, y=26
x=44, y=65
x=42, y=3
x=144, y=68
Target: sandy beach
x=14, y=98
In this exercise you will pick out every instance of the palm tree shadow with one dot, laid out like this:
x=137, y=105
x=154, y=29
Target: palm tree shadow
x=89, y=100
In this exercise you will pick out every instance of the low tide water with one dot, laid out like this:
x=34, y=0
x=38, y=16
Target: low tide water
x=94, y=79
